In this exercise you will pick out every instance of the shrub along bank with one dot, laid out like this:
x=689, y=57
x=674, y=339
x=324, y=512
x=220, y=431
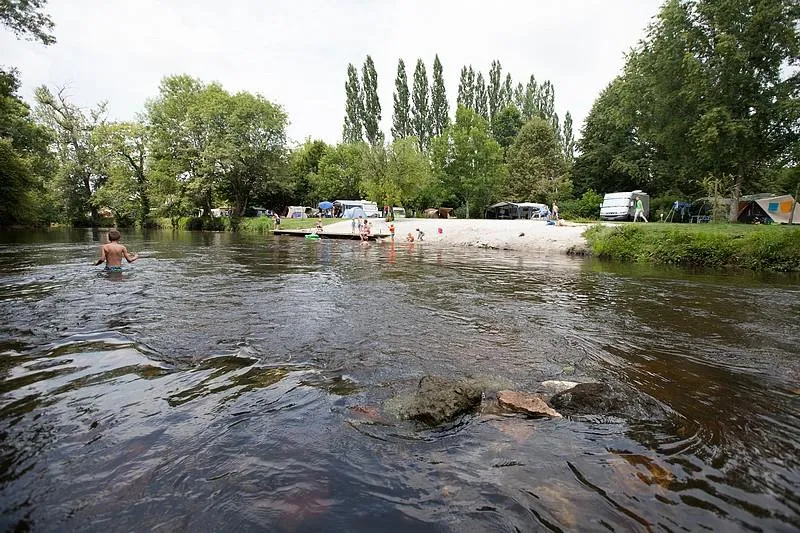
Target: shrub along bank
x=755, y=247
x=242, y=225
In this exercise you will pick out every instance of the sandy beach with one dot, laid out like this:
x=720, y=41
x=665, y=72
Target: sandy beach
x=524, y=235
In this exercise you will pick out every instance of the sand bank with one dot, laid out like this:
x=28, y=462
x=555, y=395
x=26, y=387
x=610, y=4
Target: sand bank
x=525, y=235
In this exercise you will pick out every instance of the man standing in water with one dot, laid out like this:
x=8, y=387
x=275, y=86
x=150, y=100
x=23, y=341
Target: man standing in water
x=639, y=210
x=113, y=252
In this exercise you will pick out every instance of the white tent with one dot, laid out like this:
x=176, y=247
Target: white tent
x=780, y=207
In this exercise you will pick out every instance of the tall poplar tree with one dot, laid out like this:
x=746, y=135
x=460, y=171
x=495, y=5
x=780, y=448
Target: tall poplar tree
x=354, y=107
x=569, y=139
x=466, y=88
x=440, y=117
x=507, y=94
x=519, y=97
x=420, y=112
x=530, y=107
x=480, y=100
x=371, y=117
x=401, y=121
x=495, y=89
x=546, y=101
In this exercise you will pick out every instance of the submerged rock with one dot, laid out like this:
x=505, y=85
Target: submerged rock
x=440, y=400
x=521, y=402
x=604, y=399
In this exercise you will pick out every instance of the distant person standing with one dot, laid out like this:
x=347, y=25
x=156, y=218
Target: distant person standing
x=391, y=230
x=353, y=226
x=555, y=210
x=639, y=210
x=277, y=219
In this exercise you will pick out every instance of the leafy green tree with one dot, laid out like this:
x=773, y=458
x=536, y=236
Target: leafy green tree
x=180, y=135
x=536, y=165
x=468, y=162
x=303, y=164
x=481, y=103
x=26, y=19
x=371, y=117
x=587, y=206
x=354, y=107
x=440, y=117
x=248, y=149
x=466, y=88
x=397, y=176
x=401, y=127
x=420, y=111
x=23, y=156
x=123, y=148
x=711, y=94
x=340, y=172
x=506, y=126
x=409, y=175
x=612, y=157
x=80, y=173
x=209, y=145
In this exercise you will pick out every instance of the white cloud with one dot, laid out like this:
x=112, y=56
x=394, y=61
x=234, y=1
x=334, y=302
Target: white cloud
x=296, y=53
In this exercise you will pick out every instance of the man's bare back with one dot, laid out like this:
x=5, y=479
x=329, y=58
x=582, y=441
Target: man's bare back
x=113, y=252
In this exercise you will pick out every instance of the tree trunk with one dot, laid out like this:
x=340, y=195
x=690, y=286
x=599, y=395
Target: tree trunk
x=737, y=194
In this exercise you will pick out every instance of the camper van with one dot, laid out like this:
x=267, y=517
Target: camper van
x=370, y=208
x=622, y=205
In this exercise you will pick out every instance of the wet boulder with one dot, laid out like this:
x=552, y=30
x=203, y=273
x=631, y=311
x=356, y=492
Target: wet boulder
x=529, y=404
x=553, y=386
x=440, y=400
x=606, y=399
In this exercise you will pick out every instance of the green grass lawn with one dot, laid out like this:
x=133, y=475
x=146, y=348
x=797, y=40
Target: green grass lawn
x=756, y=247
x=306, y=223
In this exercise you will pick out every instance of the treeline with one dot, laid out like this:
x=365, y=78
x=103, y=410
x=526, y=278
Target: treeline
x=504, y=141
x=707, y=102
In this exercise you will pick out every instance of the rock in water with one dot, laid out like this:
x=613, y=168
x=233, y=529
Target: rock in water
x=605, y=399
x=554, y=386
x=525, y=403
x=440, y=400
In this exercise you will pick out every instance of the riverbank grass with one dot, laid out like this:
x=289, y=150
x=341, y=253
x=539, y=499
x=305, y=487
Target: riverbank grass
x=755, y=247
x=244, y=225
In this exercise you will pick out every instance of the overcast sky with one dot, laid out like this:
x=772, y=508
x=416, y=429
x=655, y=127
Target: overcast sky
x=296, y=52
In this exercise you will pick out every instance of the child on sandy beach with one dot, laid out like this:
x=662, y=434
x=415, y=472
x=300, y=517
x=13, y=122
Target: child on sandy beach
x=112, y=253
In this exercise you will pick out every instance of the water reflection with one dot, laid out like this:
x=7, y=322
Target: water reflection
x=231, y=381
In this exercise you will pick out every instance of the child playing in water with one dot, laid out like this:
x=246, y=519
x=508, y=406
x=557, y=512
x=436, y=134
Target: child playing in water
x=113, y=252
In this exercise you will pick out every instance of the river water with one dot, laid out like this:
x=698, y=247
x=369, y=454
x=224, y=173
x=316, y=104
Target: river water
x=228, y=382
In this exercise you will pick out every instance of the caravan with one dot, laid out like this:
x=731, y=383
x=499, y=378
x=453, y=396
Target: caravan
x=342, y=207
x=622, y=205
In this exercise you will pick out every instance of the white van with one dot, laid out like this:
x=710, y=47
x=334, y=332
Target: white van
x=399, y=212
x=622, y=205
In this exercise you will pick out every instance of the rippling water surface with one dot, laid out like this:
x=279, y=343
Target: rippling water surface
x=230, y=382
